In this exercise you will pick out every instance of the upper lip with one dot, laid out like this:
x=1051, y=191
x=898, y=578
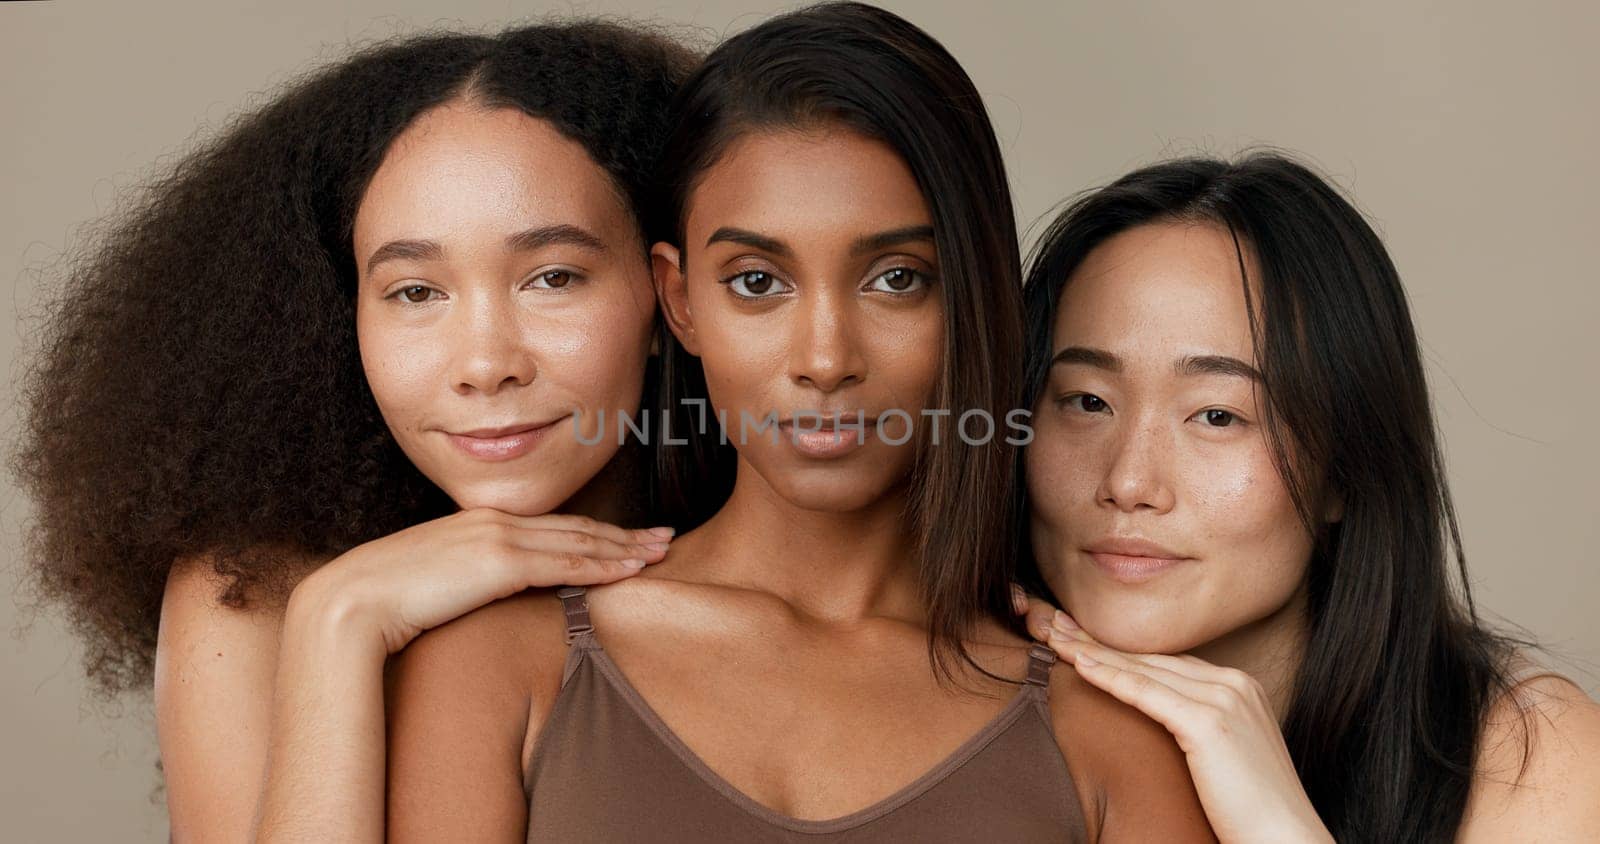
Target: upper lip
x=1132, y=547
x=502, y=431
x=824, y=418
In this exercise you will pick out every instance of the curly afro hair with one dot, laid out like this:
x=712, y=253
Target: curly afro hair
x=198, y=392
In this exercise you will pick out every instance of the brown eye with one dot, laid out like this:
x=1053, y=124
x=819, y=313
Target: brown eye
x=899, y=280
x=1218, y=418
x=553, y=280
x=1086, y=402
x=755, y=285
x=416, y=294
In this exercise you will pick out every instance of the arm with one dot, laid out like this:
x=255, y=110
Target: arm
x=213, y=683
x=463, y=701
x=325, y=763
x=1556, y=797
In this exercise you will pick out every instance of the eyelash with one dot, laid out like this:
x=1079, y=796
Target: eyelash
x=1067, y=401
x=919, y=278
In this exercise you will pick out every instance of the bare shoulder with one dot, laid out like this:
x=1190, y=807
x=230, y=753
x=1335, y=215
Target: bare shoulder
x=1537, y=774
x=1131, y=776
x=508, y=646
x=215, y=665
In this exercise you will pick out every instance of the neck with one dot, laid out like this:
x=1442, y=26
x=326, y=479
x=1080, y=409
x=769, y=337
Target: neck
x=828, y=565
x=1269, y=649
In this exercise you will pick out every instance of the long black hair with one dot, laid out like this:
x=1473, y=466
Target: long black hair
x=198, y=391
x=869, y=71
x=1398, y=672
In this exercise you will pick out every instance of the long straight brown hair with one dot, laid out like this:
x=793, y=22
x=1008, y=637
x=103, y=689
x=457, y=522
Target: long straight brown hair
x=872, y=72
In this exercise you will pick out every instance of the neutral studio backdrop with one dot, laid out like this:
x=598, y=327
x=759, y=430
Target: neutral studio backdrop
x=1467, y=131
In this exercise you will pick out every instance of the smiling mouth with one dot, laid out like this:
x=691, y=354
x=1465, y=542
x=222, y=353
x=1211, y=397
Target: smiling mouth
x=503, y=443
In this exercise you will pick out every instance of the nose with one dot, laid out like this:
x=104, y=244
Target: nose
x=491, y=351
x=1136, y=479
x=826, y=353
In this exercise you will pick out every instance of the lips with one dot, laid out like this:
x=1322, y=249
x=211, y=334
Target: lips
x=506, y=442
x=1133, y=560
x=819, y=436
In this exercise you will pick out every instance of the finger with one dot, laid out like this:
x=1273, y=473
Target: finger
x=1040, y=615
x=1200, y=690
x=585, y=524
x=587, y=545
x=1197, y=669
x=592, y=572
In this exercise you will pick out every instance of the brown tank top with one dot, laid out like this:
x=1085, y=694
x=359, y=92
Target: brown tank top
x=607, y=768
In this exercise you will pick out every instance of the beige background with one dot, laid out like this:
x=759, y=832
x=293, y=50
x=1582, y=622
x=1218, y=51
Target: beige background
x=1467, y=130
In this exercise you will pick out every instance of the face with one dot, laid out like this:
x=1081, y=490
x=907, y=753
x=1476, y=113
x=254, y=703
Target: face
x=808, y=286
x=504, y=296
x=1159, y=518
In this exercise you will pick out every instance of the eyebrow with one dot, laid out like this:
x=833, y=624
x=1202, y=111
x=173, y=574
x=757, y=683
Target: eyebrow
x=1097, y=358
x=565, y=233
x=892, y=237
x=863, y=245
x=406, y=250
x=1218, y=365
x=1190, y=366
x=745, y=237
x=524, y=241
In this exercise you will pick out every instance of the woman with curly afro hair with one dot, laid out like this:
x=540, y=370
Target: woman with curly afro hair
x=331, y=379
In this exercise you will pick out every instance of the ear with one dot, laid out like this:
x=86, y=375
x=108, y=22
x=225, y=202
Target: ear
x=672, y=292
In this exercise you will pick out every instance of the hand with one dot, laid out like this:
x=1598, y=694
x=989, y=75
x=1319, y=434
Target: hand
x=421, y=577
x=1222, y=721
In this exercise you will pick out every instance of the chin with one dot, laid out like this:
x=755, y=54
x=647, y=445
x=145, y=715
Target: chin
x=1134, y=623
x=519, y=497
x=831, y=492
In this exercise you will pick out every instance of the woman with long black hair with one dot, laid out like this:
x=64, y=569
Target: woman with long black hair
x=1235, y=460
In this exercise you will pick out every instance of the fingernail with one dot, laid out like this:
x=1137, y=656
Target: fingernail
x=1064, y=622
x=1059, y=635
x=634, y=564
x=663, y=532
x=1045, y=632
x=656, y=546
x=1086, y=661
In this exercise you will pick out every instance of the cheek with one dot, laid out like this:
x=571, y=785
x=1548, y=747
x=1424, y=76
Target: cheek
x=1248, y=521
x=402, y=366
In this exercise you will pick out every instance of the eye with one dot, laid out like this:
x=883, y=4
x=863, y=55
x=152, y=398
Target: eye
x=1217, y=417
x=899, y=280
x=1086, y=402
x=414, y=294
x=756, y=285
x=553, y=280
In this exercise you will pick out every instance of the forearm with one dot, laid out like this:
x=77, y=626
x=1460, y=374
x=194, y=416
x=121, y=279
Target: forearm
x=325, y=757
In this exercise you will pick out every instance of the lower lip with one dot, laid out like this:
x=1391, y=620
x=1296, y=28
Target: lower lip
x=508, y=447
x=828, y=443
x=1128, y=569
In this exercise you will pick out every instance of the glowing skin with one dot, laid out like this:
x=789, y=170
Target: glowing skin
x=490, y=249
x=809, y=285
x=1159, y=518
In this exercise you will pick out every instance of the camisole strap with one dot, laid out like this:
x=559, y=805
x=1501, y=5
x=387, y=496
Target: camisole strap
x=1040, y=660
x=576, y=606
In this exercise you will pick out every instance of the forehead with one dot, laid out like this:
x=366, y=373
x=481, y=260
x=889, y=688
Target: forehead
x=806, y=184
x=462, y=168
x=1157, y=293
